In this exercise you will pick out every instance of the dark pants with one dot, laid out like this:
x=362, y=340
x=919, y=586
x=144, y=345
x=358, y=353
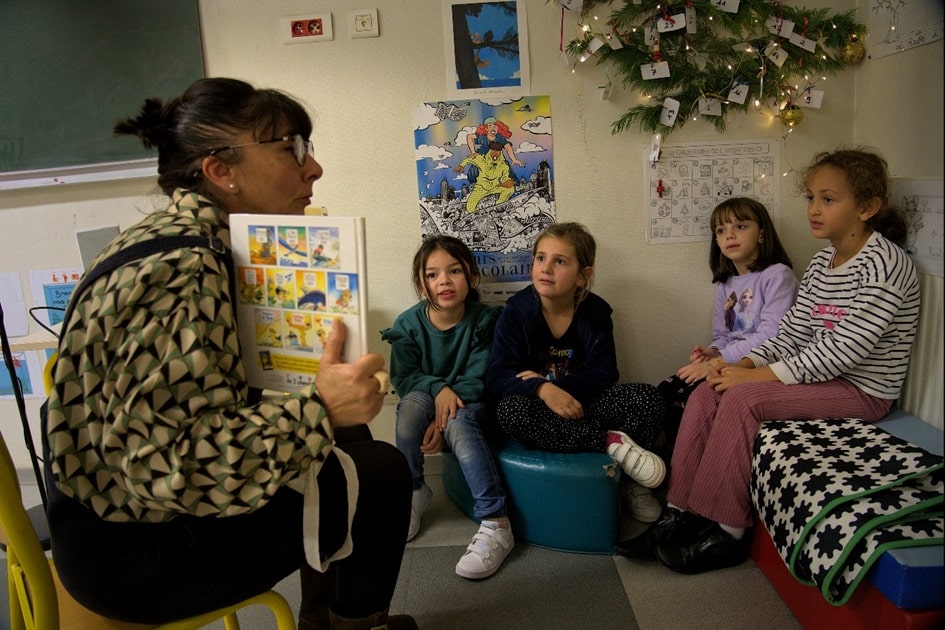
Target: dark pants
x=675, y=392
x=158, y=572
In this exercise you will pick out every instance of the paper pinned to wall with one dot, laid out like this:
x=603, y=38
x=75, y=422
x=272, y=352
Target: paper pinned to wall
x=14, y=307
x=689, y=180
x=51, y=290
x=922, y=201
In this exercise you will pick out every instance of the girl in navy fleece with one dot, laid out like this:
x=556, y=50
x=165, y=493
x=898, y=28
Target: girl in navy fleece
x=553, y=369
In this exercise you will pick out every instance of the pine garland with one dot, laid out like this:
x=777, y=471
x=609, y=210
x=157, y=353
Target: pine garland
x=726, y=48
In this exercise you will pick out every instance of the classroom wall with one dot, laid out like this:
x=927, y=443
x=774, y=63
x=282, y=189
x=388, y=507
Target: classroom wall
x=361, y=93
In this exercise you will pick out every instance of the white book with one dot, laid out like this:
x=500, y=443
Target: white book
x=295, y=275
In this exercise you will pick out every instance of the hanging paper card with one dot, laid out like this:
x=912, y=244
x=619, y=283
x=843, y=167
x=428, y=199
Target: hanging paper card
x=595, y=44
x=691, y=27
x=802, y=42
x=738, y=92
x=655, y=70
x=613, y=40
x=669, y=113
x=729, y=6
x=655, y=145
x=811, y=98
x=779, y=26
x=776, y=53
x=651, y=36
x=669, y=23
x=710, y=106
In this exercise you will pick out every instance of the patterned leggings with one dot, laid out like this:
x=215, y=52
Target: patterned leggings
x=637, y=409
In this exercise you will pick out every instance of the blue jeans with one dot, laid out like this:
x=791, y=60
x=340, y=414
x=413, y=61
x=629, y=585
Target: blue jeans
x=464, y=437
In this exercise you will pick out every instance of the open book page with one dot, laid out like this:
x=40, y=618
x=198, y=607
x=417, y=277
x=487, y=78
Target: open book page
x=295, y=275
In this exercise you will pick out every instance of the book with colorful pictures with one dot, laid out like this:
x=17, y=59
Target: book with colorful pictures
x=295, y=275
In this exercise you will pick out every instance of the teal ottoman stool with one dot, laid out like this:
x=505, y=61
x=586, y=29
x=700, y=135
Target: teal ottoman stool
x=562, y=501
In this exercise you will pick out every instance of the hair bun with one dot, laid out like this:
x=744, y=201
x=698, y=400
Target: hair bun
x=150, y=125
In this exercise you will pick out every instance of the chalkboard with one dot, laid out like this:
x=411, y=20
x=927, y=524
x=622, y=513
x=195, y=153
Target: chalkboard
x=70, y=69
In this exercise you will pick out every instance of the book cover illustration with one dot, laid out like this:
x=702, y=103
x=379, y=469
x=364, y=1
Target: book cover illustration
x=326, y=247
x=296, y=275
x=261, y=245
x=343, y=293
x=280, y=285
x=311, y=289
x=252, y=283
x=293, y=246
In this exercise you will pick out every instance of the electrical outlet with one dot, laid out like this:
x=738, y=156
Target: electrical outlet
x=363, y=23
x=303, y=29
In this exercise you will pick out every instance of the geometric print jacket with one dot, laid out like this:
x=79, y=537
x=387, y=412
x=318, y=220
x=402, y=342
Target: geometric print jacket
x=148, y=415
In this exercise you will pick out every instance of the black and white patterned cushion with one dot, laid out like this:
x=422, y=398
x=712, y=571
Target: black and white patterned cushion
x=836, y=494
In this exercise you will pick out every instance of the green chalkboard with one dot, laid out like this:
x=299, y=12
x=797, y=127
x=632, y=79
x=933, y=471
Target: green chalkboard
x=69, y=69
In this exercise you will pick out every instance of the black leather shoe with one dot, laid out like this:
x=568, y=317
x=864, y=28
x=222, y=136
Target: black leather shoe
x=712, y=548
x=672, y=524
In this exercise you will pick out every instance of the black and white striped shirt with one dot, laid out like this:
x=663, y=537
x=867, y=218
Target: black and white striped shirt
x=855, y=322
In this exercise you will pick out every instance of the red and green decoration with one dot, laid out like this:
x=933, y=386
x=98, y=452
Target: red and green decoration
x=704, y=59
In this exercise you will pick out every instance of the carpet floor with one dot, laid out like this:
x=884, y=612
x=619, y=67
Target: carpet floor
x=539, y=589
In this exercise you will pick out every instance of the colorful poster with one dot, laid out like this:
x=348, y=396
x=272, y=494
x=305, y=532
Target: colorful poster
x=51, y=291
x=487, y=49
x=486, y=176
x=296, y=275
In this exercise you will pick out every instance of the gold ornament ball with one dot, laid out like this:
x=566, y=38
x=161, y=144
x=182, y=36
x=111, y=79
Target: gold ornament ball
x=853, y=52
x=791, y=116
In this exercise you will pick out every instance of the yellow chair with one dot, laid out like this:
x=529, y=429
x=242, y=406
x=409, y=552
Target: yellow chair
x=39, y=602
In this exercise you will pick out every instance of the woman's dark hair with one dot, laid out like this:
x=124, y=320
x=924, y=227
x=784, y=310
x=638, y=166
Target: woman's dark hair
x=770, y=250
x=207, y=116
x=867, y=173
x=455, y=248
x=585, y=248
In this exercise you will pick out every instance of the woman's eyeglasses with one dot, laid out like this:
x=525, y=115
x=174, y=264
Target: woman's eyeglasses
x=300, y=147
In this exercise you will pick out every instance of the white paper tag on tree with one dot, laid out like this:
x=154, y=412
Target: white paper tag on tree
x=669, y=113
x=802, y=42
x=655, y=70
x=811, y=98
x=667, y=24
x=776, y=53
x=710, y=106
x=779, y=26
x=738, y=92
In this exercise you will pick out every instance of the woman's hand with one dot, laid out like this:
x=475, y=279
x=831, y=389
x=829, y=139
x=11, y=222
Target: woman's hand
x=560, y=401
x=348, y=391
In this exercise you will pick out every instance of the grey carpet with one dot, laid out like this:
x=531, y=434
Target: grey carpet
x=536, y=588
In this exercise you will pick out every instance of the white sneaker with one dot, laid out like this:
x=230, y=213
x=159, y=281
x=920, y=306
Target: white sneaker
x=644, y=507
x=640, y=464
x=418, y=505
x=488, y=549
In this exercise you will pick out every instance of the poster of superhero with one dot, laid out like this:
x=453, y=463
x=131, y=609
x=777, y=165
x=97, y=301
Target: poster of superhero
x=486, y=176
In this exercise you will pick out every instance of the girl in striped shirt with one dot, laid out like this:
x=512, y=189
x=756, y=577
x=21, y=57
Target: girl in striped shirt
x=841, y=351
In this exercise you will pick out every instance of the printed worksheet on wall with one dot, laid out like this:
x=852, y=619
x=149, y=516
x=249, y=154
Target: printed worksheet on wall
x=297, y=274
x=688, y=180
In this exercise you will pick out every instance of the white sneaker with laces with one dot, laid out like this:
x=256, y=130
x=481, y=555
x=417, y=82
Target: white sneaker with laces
x=644, y=507
x=641, y=465
x=485, y=554
x=418, y=505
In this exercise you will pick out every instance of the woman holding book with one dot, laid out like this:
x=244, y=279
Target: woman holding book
x=168, y=475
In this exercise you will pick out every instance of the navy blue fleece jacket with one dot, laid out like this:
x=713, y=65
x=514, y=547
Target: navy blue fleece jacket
x=523, y=342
